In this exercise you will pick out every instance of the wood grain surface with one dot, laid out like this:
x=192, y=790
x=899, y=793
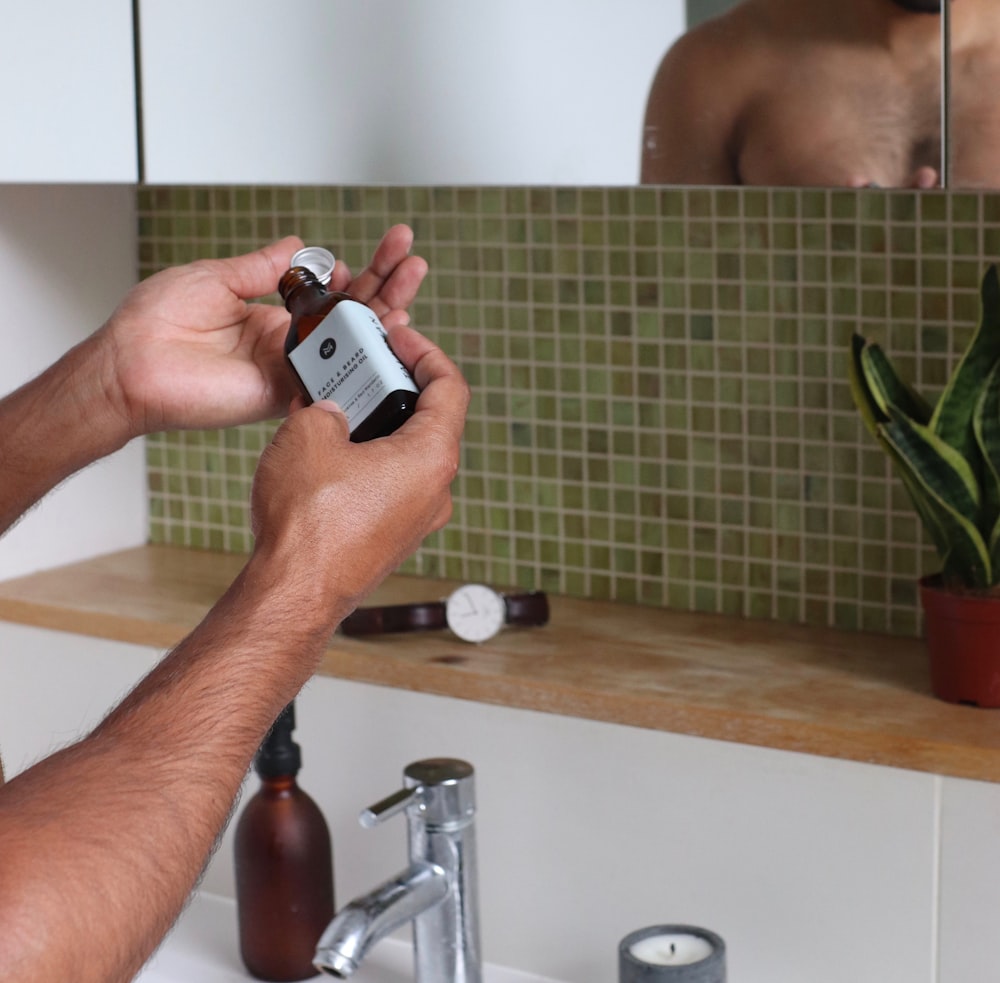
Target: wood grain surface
x=855, y=696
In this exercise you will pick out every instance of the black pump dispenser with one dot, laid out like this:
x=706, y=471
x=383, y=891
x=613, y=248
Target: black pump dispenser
x=279, y=754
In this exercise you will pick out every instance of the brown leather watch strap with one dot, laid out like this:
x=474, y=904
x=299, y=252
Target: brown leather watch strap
x=527, y=609
x=425, y=616
x=522, y=609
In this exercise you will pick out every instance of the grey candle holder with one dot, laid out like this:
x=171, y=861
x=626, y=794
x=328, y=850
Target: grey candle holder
x=710, y=969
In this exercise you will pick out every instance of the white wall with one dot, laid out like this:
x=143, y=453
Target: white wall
x=67, y=256
x=810, y=868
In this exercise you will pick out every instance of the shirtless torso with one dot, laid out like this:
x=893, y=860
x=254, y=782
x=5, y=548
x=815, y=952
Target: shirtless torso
x=809, y=92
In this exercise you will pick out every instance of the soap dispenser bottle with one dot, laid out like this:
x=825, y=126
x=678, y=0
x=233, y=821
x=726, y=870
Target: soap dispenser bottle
x=283, y=865
x=337, y=349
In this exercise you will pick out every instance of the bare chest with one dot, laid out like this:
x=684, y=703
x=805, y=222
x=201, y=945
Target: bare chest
x=836, y=126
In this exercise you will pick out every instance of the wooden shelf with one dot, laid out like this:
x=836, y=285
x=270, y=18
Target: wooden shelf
x=860, y=697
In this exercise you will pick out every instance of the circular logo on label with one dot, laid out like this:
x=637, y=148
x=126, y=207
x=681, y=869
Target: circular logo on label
x=327, y=348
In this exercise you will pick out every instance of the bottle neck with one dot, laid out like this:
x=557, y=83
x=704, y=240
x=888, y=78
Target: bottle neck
x=300, y=289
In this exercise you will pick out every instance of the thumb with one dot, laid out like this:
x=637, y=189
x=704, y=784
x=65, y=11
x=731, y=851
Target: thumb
x=329, y=406
x=257, y=274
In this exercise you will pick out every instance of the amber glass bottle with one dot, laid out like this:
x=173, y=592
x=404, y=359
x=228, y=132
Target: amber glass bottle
x=337, y=349
x=284, y=865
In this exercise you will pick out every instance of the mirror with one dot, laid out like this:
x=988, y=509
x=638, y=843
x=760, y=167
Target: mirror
x=812, y=94
x=556, y=93
x=972, y=136
x=514, y=93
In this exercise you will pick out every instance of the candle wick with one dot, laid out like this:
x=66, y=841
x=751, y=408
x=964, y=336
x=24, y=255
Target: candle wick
x=673, y=948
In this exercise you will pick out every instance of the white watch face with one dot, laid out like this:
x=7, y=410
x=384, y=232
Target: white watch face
x=475, y=612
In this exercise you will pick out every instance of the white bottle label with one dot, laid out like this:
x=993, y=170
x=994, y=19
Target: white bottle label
x=347, y=358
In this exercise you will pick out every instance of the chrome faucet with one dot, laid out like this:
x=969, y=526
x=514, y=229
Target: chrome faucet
x=438, y=891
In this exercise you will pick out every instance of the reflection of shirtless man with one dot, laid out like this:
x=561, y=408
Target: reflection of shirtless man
x=816, y=92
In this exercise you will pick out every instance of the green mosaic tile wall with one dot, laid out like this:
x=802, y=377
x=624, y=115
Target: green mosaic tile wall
x=660, y=413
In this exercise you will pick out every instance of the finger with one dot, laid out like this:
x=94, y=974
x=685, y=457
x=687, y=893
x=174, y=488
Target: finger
x=396, y=243
x=389, y=254
x=340, y=278
x=444, y=393
x=412, y=349
x=324, y=413
x=330, y=407
x=395, y=319
x=257, y=274
x=401, y=287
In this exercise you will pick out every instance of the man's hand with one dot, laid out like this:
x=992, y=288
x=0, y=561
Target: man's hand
x=389, y=283
x=333, y=518
x=188, y=348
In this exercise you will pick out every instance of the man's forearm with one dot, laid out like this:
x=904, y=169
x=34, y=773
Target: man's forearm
x=103, y=841
x=53, y=426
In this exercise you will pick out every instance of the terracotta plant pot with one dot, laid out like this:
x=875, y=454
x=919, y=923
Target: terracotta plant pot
x=963, y=642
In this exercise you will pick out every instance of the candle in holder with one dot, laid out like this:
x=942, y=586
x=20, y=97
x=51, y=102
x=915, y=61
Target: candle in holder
x=672, y=954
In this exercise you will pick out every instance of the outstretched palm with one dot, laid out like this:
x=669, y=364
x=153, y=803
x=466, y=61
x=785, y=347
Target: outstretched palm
x=190, y=347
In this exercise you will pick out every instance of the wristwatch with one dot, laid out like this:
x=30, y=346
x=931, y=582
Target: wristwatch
x=474, y=612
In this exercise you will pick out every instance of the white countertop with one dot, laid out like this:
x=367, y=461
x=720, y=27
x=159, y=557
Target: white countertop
x=203, y=948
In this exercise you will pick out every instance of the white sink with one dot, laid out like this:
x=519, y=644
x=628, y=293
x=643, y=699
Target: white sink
x=203, y=948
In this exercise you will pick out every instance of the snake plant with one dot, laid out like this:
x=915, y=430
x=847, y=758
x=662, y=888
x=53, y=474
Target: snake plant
x=947, y=454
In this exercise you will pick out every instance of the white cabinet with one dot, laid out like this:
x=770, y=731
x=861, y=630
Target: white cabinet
x=329, y=91
x=236, y=91
x=68, y=80
x=383, y=92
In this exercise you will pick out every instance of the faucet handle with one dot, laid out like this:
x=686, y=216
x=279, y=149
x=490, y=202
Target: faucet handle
x=443, y=789
x=388, y=807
